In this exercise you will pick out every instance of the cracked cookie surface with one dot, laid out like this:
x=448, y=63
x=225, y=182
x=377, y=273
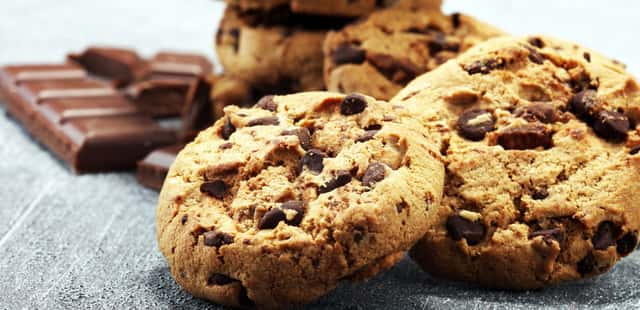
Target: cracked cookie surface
x=381, y=54
x=275, y=204
x=540, y=144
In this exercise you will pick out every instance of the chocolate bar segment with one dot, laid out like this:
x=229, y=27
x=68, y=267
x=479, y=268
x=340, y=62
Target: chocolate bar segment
x=116, y=64
x=172, y=64
x=198, y=112
x=84, y=121
x=154, y=168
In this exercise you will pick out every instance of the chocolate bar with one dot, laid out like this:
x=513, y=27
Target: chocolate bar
x=166, y=83
x=120, y=65
x=83, y=120
x=154, y=168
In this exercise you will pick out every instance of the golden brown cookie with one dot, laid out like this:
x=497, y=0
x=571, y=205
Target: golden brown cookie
x=351, y=8
x=381, y=54
x=540, y=142
x=275, y=204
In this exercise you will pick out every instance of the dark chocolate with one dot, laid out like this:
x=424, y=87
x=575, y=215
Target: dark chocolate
x=153, y=169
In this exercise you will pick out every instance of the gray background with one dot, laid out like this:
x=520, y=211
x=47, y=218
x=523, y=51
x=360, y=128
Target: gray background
x=88, y=241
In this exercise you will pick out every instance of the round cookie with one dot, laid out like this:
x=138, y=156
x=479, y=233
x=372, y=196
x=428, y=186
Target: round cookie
x=275, y=204
x=540, y=144
x=349, y=8
x=276, y=51
x=383, y=53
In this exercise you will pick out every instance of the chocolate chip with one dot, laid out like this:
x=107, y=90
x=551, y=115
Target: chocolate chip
x=313, y=160
x=342, y=178
x=535, y=56
x=374, y=174
x=215, y=188
x=348, y=54
x=537, y=112
x=525, y=137
x=584, y=105
x=460, y=227
x=368, y=135
x=537, y=42
x=401, y=206
x=267, y=103
x=297, y=206
x=605, y=236
x=264, y=121
x=549, y=234
x=395, y=69
x=540, y=194
x=634, y=150
x=271, y=219
x=627, y=244
x=587, y=264
x=184, y=219
x=439, y=43
x=353, y=104
x=455, y=20
x=474, y=124
x=235, y=34
x=611, y=126
x=226, y=146
x=218, y=279
x=217, y=238
x=587, y=56
x=243, y=298
x=373, y=127
x=227, y=129
x=305, y=138
x=484, y=66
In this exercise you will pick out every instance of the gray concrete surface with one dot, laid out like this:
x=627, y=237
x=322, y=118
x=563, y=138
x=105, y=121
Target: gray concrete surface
x=87, y=242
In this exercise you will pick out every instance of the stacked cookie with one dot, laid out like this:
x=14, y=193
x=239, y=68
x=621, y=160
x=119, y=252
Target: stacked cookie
x=507, y=162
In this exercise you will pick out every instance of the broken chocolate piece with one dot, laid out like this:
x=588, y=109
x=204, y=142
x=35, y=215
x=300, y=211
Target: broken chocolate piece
x=627, y=244
x=605, y=236
x=368, y=135
x=297, y=206
x=474, y=124
x=342, y=178
x=611, y=126
x=117, y=64
x=374, y=174
x=537, y=112
x=353, y=104
x=525, y=137
x=227, y=129
x=348, y=54
x=217, y=238
x=264, y=121
x=153, y=169
x=215, y=188
x=484, y=66
x=460, y=227
x=549, y=234
x=313, y=160
x=271, y=219
x=584, y=105
x=267, y=103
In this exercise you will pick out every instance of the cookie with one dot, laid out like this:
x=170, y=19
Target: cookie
x=275, y=51
x=388, y=49
x=351, y=8
x=275, y=204
x=540, y=143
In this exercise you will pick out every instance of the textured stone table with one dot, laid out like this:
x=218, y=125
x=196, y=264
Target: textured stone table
x=78, y=242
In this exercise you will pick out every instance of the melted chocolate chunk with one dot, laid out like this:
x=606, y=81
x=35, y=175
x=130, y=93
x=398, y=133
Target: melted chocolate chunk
x=455, y=20
x=549, y=234
x=584, y=105
x=271, y=219
x=264, y=121
x=312, y=160
x=611, y=126
x=605, y=236
x=218, y=279
x=217, y=238
x=353, y=104
x=484, y=66
x=525, y=137
x=227, y=129
x=535, y=56
x=587, y=264
x=374, y=174
x=348, y=54
x=184, y=219
x=460, y=227
x=368, y=135
x=295, y=205
x=440, y=43
x=540, y=194
x=627, y=244
x=342, y=178
x=474, y=124
x=538, y=112
x=537, y=42
x=267, y=103
x=215, y=188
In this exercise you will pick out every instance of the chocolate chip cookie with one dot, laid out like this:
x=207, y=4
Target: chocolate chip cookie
x=383, y=53
x=540, y=143
x=275, y=204
x=352, y=8
x=276, y=51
